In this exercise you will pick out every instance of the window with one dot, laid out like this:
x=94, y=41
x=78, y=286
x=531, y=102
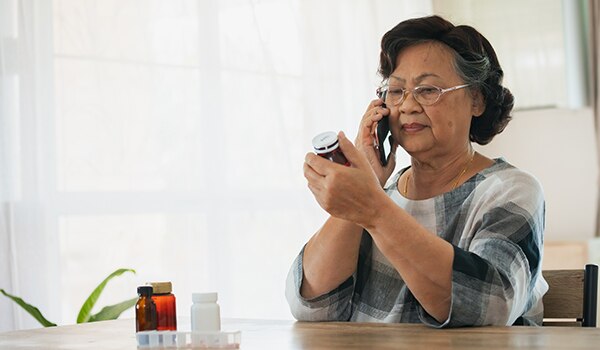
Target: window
x=540, y=45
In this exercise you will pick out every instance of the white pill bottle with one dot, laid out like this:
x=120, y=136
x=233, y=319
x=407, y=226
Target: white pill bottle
x=205, y=313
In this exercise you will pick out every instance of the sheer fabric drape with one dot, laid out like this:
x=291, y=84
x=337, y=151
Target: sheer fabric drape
x=168, y=137
x=594, y=68
x=29, y=254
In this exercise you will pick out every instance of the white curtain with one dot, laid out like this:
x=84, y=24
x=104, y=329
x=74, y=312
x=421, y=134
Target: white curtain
x=168, y=137
x=593, y=8
x=29, y=251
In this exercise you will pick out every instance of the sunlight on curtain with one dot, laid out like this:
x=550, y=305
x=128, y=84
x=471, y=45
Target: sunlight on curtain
x=181, y=128
x=168, y=136
x=594, y=68
x=7, y=106
x=28, y=233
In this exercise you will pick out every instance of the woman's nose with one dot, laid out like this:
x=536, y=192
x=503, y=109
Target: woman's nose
x=410, y=105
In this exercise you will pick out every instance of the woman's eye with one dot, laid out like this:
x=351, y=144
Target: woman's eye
x=427, y=90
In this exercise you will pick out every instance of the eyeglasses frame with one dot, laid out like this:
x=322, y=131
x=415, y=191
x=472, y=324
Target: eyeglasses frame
x=383, y=90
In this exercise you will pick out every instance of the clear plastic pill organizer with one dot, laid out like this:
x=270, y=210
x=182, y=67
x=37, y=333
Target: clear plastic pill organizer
x=188, y=340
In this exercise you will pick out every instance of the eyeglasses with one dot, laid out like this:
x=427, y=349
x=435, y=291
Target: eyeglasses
x=426, y=95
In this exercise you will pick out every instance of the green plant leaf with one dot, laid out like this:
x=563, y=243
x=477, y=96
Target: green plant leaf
x=86, y=308
x=32, y=310
x=112, y=312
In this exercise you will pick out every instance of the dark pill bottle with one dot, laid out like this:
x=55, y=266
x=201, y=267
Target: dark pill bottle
x=165, y=306
x=145, y=310
x=327, y=146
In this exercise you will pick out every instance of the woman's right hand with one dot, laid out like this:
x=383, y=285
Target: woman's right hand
x=365, y=140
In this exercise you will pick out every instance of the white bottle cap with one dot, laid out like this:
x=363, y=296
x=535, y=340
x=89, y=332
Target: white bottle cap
x=325, y=142
x=204, y=297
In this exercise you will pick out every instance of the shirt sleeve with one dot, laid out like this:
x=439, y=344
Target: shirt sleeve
x=496, y=277
x=332, y=306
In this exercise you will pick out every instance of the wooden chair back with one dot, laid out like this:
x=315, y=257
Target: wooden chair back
x=571, y=299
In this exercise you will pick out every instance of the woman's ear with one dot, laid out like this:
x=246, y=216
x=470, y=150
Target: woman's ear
x=478, y=106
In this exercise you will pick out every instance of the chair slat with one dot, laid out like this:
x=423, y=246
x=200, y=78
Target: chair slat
x=565, y=296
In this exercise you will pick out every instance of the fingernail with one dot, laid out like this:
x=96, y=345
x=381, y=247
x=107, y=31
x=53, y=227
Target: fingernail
x=342, y=134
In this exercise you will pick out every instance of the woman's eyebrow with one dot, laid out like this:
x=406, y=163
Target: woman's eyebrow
x=400, y=80
x=418, y=79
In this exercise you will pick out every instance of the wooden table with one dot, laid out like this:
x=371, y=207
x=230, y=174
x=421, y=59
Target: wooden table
x=264, y=334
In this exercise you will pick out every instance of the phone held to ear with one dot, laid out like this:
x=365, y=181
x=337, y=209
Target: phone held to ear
x=383, y=142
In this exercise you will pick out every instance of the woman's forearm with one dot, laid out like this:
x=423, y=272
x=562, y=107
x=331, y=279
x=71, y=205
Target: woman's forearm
x=423, y=259
x=330, y=257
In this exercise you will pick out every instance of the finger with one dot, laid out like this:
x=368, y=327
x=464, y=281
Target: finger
x=315, y=191
x=374, y=128
x=351, y=153
x=374, y=103
x=376, y=113
x=311, y=175
x=382, y=111
x=319, y=164
x=367, y=126
x=314, y=180
x=369, y=123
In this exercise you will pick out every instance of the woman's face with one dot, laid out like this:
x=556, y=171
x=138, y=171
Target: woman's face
x=439, y=129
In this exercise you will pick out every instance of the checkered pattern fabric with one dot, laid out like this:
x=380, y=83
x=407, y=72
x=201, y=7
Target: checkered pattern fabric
x=494, y=221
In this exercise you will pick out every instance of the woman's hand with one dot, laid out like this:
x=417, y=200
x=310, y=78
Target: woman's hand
x=365, y=140
x=350, y=193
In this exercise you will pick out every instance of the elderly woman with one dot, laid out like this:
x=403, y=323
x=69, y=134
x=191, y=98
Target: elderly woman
x=455, y=239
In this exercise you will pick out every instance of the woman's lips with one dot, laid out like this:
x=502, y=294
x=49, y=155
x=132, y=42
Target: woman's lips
x=413, y=127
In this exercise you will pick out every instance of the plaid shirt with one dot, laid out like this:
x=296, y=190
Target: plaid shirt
x=494, y=221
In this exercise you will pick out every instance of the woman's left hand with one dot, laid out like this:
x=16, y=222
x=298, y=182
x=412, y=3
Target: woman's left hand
x=365, y=140
x=351, y=193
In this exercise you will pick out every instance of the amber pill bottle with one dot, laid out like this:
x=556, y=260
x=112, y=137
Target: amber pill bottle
x=327, y=146
x=165, y=306
x=145, y=310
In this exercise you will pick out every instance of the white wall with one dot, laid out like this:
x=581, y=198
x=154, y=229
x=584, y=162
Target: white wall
x=558, y=146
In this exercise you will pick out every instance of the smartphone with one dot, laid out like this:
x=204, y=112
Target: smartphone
x=383, y=141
